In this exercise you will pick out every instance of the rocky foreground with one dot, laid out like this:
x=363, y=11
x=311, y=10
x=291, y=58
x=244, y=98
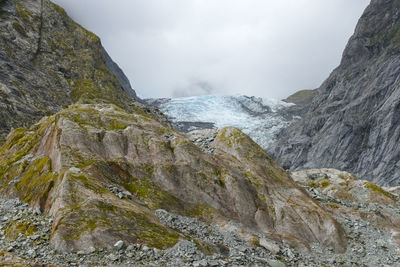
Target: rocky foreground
x=368, y=215
x=108, y=181
x=25, y=235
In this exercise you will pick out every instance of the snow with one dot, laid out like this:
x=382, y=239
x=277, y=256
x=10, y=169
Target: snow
x=262, y=119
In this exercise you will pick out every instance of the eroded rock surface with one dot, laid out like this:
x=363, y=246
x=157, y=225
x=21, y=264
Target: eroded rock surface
x=66, y=164
x=369, y=213
x=47, y=62
x=353, y=122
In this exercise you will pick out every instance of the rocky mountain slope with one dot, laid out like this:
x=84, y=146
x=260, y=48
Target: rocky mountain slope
x=262, y=119
x=353, y=122
x=107, y=180
x=47, y=62
x=75, y=164
x=115, y=184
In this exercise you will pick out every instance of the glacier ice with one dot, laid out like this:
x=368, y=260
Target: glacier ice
x=260, y=118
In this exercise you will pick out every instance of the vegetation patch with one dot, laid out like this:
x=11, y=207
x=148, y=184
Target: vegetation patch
x=25, y=14
x=146, y=191
x=301, y=97
x=36, y=182
x=377, y=189
x=203, y=211
x=18, y=27
x=14, y=228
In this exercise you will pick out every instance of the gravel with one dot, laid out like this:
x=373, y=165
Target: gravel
x=205, y=245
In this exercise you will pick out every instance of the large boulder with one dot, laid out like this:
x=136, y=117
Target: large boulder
x=102, y=172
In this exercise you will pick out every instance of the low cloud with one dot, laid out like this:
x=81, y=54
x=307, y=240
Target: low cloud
x=268, y=48
x=195, y=89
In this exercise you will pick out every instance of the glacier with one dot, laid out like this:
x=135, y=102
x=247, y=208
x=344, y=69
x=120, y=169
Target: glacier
x=260, y=118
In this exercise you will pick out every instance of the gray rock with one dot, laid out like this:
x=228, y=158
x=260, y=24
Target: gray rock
x=118, y=245
x=353, y=122
x=275, y=263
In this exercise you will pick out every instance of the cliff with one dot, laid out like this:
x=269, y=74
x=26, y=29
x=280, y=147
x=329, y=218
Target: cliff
x=47, y=62
x=353, y=122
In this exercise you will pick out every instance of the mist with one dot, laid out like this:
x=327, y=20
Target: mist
x=267, y=48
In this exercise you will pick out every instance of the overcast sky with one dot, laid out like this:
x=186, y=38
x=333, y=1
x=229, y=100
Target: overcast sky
x=268, y=48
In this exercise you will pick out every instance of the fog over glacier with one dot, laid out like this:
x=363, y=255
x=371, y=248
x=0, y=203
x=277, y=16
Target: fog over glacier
x=268, y=48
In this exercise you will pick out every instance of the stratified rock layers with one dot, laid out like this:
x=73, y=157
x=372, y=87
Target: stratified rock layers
x=47, y=62
x=353, y=122
x=102, y=172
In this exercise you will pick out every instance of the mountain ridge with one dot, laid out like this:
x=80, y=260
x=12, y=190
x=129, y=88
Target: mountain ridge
x=353, y=123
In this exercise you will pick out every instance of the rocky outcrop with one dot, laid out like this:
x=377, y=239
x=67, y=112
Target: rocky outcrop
x=369, y=213
x=101, y=173
x=47, y=62
x=353, y=122
x=301, y=98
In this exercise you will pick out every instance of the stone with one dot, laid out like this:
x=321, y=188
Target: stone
x=118, y=245
x=270, y=246
x=275, y=263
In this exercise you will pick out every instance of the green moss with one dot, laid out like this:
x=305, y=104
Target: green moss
x=25, y=14
x=170, y=168
x=80, y=160
x=324, y=183
x=14, y=228
x=276, y=175
x=255, y=242
x=19, y=144
x=333, y=205
x=153, y=196
x=220, y=173
x=301, y=97
x=84, y=88
x=202, y=211
x=148, y=169
x=36, y=181
x=377, y=189
x=91, y=36
x=347, y=177
x=123, y=220
x=18, y=27
x=252, y=179
x=60, y=10
x=156, y=236
x=90, y=116
x=90, y=183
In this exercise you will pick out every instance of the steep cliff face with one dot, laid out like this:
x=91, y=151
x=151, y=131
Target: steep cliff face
x=48, y=62
x=353, y=122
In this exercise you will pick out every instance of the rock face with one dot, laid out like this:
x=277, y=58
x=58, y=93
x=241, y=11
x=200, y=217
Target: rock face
x=370, y=214
x=102, y=172
x=48, y=62
x=353, y=122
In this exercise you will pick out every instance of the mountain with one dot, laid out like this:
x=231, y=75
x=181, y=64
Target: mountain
x=262, y=119
x=104, y=179
x=353, y=121
x=107, y=168
x=73, y=165
x=48, y=62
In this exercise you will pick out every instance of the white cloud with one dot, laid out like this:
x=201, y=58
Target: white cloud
x=266, y=48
